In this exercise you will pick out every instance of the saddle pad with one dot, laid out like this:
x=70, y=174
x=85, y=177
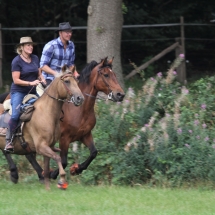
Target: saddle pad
x=3, y=131
x=7, y=105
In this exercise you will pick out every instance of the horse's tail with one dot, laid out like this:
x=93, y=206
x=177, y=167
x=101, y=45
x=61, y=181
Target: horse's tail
x=3, y=97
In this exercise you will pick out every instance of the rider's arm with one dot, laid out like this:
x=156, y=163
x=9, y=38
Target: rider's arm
x=18, y=81
x=46, y=58
x=48, y=70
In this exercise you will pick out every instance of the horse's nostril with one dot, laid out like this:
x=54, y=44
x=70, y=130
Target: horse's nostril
x=120, y=95
x=79, y=99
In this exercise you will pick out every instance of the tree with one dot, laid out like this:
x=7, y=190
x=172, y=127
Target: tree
x=104, y=30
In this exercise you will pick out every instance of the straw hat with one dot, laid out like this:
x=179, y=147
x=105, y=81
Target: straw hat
x=25, y=40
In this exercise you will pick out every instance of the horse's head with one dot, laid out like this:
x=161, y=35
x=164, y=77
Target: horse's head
x=69, y=87
x=107, y=82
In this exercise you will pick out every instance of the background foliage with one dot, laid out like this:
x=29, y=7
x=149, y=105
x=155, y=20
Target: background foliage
x=138, y=44
x=163, y=133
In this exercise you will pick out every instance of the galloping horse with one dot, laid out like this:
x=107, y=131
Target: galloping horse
x=78, y=122
x=43, y=130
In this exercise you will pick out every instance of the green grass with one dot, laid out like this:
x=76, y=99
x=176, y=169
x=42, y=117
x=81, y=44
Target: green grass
x=31, y=198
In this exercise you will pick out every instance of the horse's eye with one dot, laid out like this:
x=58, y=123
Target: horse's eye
x=67, y=81
x=106, y=75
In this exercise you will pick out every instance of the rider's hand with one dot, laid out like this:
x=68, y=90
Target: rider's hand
x=34, y=83
x=76, y=74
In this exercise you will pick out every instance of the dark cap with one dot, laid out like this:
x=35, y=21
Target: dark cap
x=64, y=26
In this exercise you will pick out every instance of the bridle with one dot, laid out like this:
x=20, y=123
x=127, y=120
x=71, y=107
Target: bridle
x=69, y=74
x=110, y=95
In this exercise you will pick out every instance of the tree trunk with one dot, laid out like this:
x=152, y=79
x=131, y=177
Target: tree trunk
x=104, y=30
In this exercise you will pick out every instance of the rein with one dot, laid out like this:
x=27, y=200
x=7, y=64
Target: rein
x=96, y=97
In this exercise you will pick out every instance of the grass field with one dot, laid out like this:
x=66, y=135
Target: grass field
x=31, y=198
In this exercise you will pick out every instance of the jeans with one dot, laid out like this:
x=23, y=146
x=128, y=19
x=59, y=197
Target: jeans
x=48, y=81
x=16, y=101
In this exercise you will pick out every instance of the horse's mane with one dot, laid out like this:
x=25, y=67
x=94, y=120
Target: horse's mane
x=85, y=73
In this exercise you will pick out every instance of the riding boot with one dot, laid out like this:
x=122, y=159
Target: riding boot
x=9, y=145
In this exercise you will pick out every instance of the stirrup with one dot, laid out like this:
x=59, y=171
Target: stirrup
x=9, y=148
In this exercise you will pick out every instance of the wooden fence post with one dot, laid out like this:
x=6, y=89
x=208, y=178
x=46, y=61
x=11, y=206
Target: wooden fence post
x=181, y=70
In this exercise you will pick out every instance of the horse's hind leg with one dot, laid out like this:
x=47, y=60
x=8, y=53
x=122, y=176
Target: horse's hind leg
x=46, y=171
x=32, y=159
x=78, y=168
x=14, y=176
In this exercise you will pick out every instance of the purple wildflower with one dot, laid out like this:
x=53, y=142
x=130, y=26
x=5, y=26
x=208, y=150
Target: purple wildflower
x=185, y=91
x=138, y=137
x=152, y=79
x=179, y=131
x=187, y=145
x=198, y=137
x=174, y=73
x=159, y=74
x=181, y=55
x=146, y=125
x=204, y=125
x=196, y=122
x=203, y=106
x=206, y=138
x=190, y=131
x=213, y=146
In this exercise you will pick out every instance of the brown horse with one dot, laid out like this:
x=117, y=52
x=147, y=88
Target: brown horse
x=43, y=130
x=78, y=122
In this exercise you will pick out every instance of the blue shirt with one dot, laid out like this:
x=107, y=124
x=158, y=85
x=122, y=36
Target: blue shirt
x=28, y=72
x=55, y=56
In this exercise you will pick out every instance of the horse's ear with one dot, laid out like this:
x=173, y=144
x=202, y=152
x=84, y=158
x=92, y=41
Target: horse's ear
x=103, y=61
x=111, y=61
x=64, y=68
x=73, y=69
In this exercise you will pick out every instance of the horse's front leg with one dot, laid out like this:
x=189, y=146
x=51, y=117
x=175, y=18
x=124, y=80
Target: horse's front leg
x=48, y=153
x=14, y=176
x=88, y=141
x=32, y=159
x=64, y=147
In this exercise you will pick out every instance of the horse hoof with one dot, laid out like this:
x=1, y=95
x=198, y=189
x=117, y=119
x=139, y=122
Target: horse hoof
x=62, y=185
x=14, y=180
x=74, y=168
x=42, y=181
